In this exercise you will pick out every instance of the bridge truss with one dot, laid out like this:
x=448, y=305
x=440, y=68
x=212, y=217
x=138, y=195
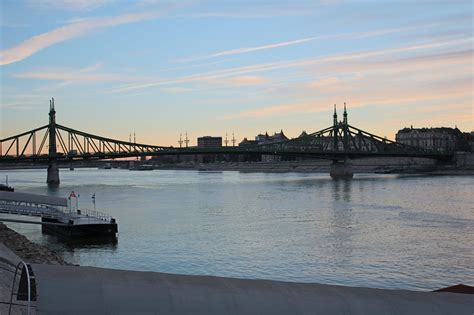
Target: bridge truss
x=339, y=141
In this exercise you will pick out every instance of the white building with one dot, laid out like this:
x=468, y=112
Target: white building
x=440, y=139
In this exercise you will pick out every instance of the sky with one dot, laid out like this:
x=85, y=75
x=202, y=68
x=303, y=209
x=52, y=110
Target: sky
x=163, y=68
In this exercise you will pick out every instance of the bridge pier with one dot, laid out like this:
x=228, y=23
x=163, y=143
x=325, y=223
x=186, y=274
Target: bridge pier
x=341, y=169
x=53, y=170
x=53, y=174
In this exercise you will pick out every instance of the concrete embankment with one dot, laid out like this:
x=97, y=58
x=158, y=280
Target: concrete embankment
x=90, y=290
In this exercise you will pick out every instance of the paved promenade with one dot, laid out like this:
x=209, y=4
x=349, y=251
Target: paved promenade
x=89, y=290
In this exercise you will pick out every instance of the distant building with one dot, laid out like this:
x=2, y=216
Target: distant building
x=442, y=139
x=209, y=142
x=247, y=142
x=303, y=134
x=264, y=139
x=471, y=141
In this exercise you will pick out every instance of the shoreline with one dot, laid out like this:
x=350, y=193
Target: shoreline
x=27, y=250
x=282, y=167
x=317, y=169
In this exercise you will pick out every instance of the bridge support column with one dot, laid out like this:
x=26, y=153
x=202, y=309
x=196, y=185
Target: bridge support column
x=341, y=169
x=53, y=174
x=53, y=170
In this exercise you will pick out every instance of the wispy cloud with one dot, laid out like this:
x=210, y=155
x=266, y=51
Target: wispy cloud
x=251, y=49
x=52, y=87
x=323, y=103
x=331, y=83
x=70, y=5
x=70, y=31
x=248, y=80
x=352, y=35
x=265, y=9
x=249, y=14
x=20, y=101
x=416, y=68
x=385, y=95
x=19, y=105
x=176, y=90
x=10, y=24
x=245, y=70
x=404, y=81
x=68, y=75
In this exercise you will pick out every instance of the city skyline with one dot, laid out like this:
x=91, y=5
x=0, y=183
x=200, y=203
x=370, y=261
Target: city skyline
x=159, y=70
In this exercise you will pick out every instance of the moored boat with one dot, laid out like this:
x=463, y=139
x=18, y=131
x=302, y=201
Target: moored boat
x=142, y=167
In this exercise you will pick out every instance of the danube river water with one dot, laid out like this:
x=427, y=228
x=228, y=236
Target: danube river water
x=384, y=231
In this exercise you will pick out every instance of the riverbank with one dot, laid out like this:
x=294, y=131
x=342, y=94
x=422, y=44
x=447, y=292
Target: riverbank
x=27, y=250
x=386, y=165
x=317, y=167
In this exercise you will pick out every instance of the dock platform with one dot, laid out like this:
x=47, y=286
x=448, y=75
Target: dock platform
x=56, y=216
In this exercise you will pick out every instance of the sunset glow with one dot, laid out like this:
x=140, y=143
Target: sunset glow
x=159, y=69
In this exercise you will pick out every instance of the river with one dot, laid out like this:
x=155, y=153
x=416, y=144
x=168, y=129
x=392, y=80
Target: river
x=383, y=231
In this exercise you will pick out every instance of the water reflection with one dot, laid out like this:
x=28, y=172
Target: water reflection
x=342, y=189
x=341, y=221
x=293, y=226
x=105, y=242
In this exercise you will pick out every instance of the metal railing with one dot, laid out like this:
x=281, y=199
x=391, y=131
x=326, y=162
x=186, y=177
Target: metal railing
x=29, y=278
x=95, y=214
x=30, y=209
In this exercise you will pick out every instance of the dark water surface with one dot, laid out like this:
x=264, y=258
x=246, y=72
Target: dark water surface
x=385, y=231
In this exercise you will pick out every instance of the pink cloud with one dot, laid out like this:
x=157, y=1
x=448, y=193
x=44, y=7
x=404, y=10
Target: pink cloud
x=384, y=96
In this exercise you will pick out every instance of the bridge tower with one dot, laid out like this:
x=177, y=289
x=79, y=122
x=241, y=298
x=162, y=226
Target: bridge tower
x=345, y=129
x=53, y=170
x=341, y=168
x=335, y=129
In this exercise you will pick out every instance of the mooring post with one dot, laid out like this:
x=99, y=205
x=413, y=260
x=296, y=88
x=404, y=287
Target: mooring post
x=53, y=169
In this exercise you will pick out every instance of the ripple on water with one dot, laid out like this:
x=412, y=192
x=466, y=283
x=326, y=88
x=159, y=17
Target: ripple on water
x=375, y=231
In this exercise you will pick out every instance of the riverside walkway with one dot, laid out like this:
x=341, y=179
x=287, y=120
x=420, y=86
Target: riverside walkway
x=89, y=290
